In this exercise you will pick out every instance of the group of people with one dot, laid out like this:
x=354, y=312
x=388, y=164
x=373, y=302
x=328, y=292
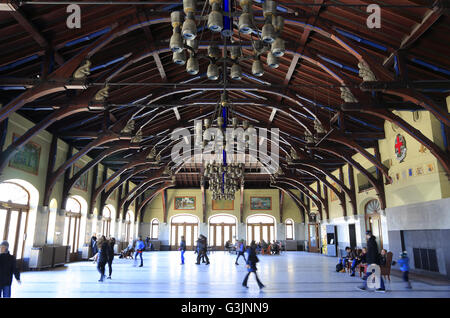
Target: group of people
x=274, y=248
x=370, y=255
x=103, y=253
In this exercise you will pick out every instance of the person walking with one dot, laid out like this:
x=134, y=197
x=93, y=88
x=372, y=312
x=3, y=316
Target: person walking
x=202, y=249
x=182, y=249
x=240, y=252
x=111, y=244
x=7, y=270
x=404, y=267
x=102, y=257
x=252, y=259
x=140, y=246
x=372, y=257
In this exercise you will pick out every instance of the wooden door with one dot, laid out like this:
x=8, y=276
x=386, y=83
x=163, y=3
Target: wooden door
x=220, y=233
x=190, y=233
x=313, y=238
x=13, y=228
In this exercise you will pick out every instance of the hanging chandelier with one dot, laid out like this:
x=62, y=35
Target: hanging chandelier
x=225, y=175
x=184, y=41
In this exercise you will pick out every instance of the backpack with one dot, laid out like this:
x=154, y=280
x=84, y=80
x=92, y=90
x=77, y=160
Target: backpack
x=339, y=267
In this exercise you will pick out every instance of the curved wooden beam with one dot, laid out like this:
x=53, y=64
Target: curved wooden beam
x=300, y=204
x=305, y=192
x=121, y=145
x=151, y=197
x=374, y=182
x=102, y=139
x=339, y=194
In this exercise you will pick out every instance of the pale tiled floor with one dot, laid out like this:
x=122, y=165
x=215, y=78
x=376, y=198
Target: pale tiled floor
x=293, y=274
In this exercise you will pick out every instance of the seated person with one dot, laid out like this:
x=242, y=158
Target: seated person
x=227, y=246
x=348, y=257
x=359, y=260
x=275, y=248
x=258, y=248
x=128, y=251
x=264, y=247
x=382, y=256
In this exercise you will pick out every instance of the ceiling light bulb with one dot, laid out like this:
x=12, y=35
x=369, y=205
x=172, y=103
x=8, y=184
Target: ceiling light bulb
x=179, y=58
x=278, y=47
x=272, y=60
x=257, y=68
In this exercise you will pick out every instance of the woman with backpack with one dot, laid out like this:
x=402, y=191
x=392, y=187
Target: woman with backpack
x=252, y=259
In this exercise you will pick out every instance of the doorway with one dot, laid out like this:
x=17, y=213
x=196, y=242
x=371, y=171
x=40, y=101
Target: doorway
x=260, y=228
x=313, y=237
x=187, y=226
x=352, y=235
x=222, y=228
x=373, y=221
x=14, y=210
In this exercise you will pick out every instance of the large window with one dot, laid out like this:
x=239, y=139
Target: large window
x=184, y=225
x=289, y=229
x=106, y=222
x=14, y=210
x=260, y=228
x=72, y=225
x=222, y=228
x=154, y=229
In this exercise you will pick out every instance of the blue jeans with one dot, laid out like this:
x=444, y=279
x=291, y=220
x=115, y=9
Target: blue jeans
x=182, y=256
x=365, y=280
x=135, y=257
x=5, y=291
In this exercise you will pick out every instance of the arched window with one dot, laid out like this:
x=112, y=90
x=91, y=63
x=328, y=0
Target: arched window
x=155, y=229
x=289, y=229
x=260, y=227
x=72, y=225
x=106, y=222
x=373, y=220
x=222, y=228
x=14, y=210
x=184, y=225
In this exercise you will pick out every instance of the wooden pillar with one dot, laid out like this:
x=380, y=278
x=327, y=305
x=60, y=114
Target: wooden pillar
x=3, y=131
x=281, y=205
x=351, y=177
x=66, y=180
x=103, y=194
x=93, y=187
x=164, y=202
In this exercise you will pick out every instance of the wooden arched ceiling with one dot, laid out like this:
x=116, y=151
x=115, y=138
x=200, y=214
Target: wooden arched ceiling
x=128, y=48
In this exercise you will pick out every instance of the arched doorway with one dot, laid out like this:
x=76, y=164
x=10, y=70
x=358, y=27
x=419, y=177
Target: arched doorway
x=373, y=220
x=183, y=225
x=72, y=226
x=14, y=211
x=106, y=222
x=260, y=227
x=154, y=231
x=221, y=229
x=289, y=229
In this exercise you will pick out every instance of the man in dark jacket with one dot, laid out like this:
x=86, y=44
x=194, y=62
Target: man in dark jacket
x=94, y=244
x=372, y=257
x=103, y=256
x=7, y=270
x=110, y=255
x=252, y=259
x=202, y=249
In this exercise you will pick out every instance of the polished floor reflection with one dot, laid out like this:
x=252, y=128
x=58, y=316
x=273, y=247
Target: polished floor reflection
x=292, y=274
